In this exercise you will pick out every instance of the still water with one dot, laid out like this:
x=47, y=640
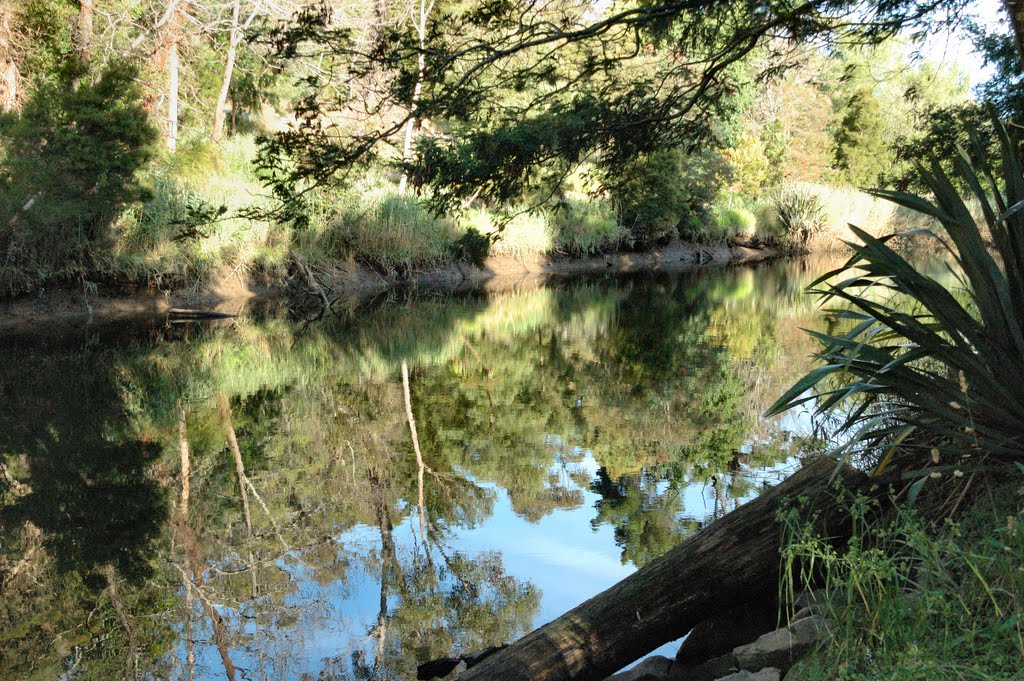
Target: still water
x=244, y=499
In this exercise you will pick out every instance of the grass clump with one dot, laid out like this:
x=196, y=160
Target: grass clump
x=908, y=600
x=586, y=228
x=735, y=221
x=180, y=236
x=390, y=231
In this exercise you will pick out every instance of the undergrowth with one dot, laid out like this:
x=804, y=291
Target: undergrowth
x=910, y=599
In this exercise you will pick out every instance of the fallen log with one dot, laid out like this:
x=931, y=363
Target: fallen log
x=733, y=560
x=187, y=314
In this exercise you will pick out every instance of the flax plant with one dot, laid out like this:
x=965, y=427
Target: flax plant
x=918, y=367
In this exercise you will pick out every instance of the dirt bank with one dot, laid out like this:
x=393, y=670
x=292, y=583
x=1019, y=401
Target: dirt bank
x=232, y=294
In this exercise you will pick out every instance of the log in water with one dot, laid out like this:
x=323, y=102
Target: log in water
x=732, y=560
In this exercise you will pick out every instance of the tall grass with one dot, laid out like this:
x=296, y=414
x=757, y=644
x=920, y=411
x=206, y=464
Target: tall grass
x=577, y=227
x=369, y=222
x=150, y=244
x=919, y=363
x=908, y=602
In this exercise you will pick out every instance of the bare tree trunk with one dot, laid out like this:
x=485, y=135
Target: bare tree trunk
x=85, y=12
x=8, y=62
x=186, y=466
x=186, y=486
x=172, y=98
x=421, y=467
x=387, y=567
x=132, y=663
x=192, y=574
x=229, y=67
x=421, y=31
x=225, y=413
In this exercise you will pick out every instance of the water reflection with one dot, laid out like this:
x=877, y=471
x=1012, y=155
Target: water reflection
x=244, y=500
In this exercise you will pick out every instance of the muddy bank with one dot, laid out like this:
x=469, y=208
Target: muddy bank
x=233, y=294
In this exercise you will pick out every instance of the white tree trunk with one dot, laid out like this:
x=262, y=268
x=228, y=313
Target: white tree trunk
x=421, y=31
x=8, y=63
x=229, y=67
x=172, y=98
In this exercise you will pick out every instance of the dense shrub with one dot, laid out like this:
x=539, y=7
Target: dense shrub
x=650, y=195
x=660, y=192
x=70, y=164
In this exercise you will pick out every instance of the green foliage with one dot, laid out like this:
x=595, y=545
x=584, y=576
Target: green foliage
x=943, y=133
x=860, y=149
x=910, y=602
x=393, y=232
x=46, y=27
x=663, y=191
x=651, y=196
x=800, y=214
x=472, y=247
x=736, y=221
x=586, y=227
x=750, y=166
x=71, y=160
x=918, y=359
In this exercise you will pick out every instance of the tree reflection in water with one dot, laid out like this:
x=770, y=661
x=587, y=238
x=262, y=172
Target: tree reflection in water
x=246, y=500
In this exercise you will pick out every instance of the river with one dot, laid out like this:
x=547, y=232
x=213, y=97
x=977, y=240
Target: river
x=243, y=499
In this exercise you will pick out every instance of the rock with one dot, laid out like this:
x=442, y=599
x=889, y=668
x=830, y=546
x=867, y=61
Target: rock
x=766, y=674
x=654, y=668
x=783, y=647
x=708, y=670
x=723, y=632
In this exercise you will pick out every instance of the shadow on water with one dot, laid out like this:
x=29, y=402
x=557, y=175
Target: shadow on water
x=245, y=499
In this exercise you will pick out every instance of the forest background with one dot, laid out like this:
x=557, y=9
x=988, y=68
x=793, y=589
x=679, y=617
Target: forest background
x=158, y=144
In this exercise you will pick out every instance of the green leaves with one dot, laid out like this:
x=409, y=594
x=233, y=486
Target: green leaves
x=946, y=366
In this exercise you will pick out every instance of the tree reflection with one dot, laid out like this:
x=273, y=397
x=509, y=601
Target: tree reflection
x=248, y=500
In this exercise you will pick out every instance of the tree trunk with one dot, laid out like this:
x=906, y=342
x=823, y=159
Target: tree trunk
x=186, y=467
x=420, y=466
x=731, y=561
x=85, y=12
x=1015, y=8
x=229, y=67
x=225, y=413
x=421, y=30
x=8, y=63
x=172, y=98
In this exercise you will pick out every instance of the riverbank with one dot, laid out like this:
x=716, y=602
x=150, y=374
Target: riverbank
x=231, y=292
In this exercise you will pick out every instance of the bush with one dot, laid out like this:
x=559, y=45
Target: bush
x=70, y=167
x=664, y=191
x=909, y=602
